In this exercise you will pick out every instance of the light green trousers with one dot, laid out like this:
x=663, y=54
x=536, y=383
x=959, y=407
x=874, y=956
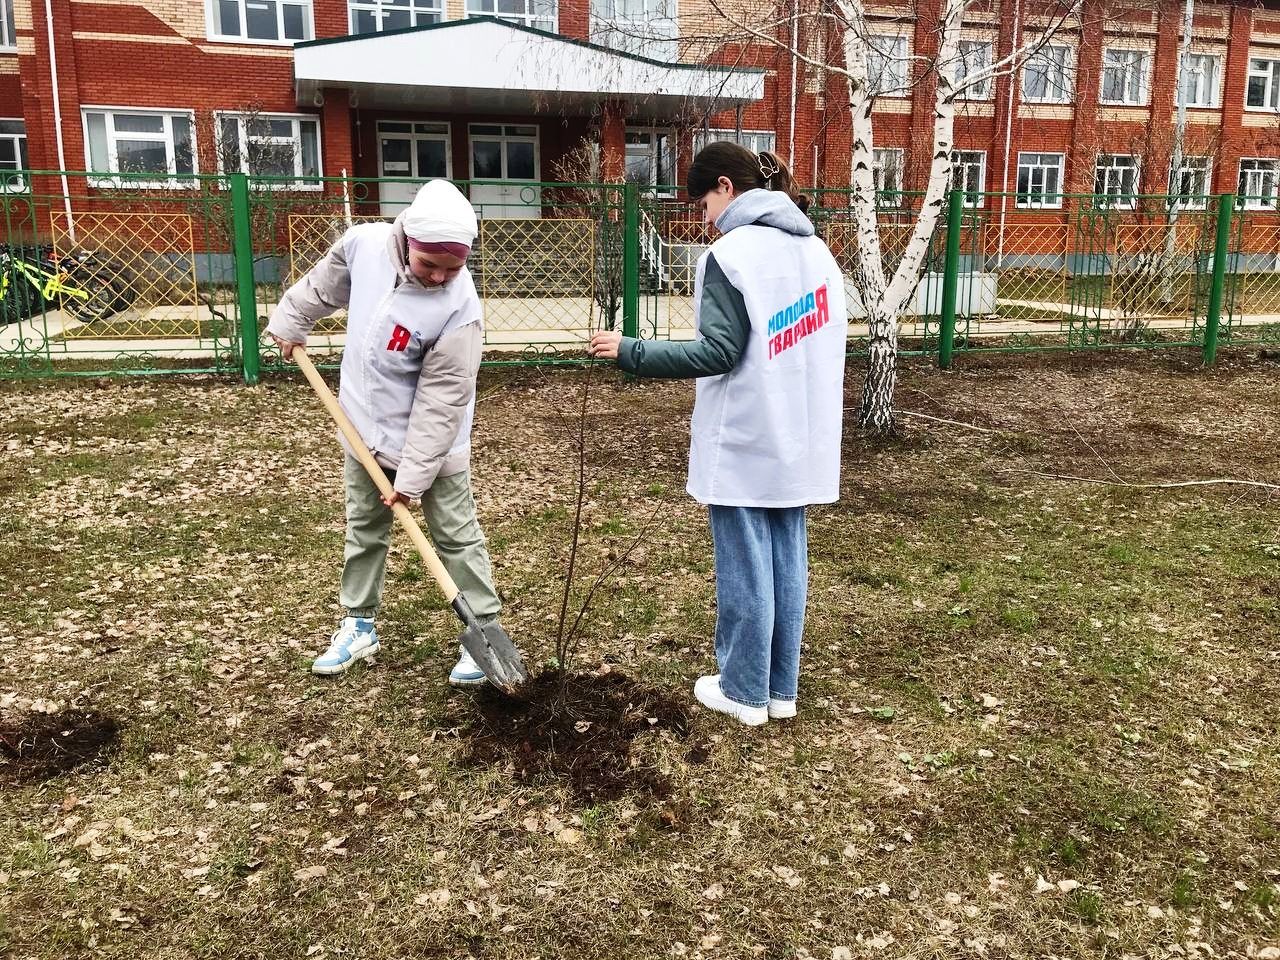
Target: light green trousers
x=450, y=513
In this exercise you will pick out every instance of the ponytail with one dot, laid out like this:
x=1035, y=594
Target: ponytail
x=778, y=177
x=744, y=169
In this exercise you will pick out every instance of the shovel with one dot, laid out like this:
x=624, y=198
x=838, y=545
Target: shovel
x=488, y=643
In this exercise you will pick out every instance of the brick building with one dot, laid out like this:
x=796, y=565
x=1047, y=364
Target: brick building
x=506, y=89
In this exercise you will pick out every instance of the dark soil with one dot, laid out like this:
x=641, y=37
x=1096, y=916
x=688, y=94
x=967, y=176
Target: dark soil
x=43, y=746
x=581, y=736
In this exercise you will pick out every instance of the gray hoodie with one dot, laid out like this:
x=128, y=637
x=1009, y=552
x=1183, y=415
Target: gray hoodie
x=411, y=357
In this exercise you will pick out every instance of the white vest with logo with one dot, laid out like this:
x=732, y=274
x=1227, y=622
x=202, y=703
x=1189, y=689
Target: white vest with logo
x=389, y=328
x=767, y=434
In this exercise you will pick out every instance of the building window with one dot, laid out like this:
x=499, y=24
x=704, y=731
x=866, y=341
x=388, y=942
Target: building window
x=373, y=16
x=969, y=173
x=1190, y=184
x=1263, y=91
x=642, y=27
x=262, y=21
x=651, y=156
x=1049, y=75
x=8, y=35
x=975, y=57
x=1124, y=77
x=757, y=141
x=540, y=14
x=140, y=147
x=1259, y=180
x=270, y=145
x=886, y=167
x=886, y=66
x=1200, y=80
x=13, y=155
x=1115, y=180
x=1040, y=180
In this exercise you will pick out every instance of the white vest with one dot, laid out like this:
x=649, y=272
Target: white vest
x=767, y=434
x=389, y=328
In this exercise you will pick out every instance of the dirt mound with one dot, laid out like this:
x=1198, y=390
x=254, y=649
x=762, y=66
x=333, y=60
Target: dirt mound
x=580, y=734
x=43, y=746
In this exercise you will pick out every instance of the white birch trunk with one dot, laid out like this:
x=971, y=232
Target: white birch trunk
x=886, y=301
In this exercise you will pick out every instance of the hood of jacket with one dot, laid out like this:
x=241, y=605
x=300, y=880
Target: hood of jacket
x=768, y=208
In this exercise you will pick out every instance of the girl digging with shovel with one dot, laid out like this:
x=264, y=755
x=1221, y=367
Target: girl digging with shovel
x=408, y=385
x=769, y=309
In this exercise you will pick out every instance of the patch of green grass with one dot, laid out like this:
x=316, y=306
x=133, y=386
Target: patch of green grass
x=1085, y=906
x=1185, y=891
x=1021, y=621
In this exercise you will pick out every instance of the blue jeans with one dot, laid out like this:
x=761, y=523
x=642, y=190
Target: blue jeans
x=762, y=579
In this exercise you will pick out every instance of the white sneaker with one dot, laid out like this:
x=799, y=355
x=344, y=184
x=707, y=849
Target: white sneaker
x=466, y=672
x=707, y=691
x=781, y=709
x=354, y=640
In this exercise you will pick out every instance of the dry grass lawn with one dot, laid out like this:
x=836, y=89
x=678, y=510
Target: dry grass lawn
x=1039, y=717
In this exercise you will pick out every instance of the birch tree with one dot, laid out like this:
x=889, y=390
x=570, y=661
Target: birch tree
x=888, y=294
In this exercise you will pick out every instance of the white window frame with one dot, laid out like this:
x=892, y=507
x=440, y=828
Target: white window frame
x=672, y=151
x=301, y=183
x=1201, y=165
x=15, y=183
x=381, y=9
x=524, y=19
x=1214, y=81
x=8, y=30
x=756, y=141
x=412, y=135
x=211, y=23
x=1256, y=199
x=1066, y=85
x=113, y=178
x=1270, y=75
x=654, y=33
x=1113, y=172
x=1032, y=201
x=1135, y=90
x=965, y=168
x=894, y=77
x=982, y=91
x=879, y=169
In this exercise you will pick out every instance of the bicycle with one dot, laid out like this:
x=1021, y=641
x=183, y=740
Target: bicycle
x=82, y=285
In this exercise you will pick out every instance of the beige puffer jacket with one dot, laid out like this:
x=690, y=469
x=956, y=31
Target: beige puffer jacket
x=412, y=353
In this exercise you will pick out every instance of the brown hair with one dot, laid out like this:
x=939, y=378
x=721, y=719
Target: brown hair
x=744, y=169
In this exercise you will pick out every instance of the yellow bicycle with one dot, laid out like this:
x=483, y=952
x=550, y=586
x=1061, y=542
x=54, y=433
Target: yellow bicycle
x=82, y=286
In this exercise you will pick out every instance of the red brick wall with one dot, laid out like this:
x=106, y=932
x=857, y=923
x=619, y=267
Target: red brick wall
x=187, y=72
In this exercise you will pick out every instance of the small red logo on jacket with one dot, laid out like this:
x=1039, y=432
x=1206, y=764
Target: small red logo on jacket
x=399, y=338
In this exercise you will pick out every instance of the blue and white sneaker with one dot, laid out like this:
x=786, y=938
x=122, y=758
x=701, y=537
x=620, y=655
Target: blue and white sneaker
x=354, y=640
x=466, y=672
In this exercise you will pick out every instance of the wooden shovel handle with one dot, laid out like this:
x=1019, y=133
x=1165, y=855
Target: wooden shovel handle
x=374, y=469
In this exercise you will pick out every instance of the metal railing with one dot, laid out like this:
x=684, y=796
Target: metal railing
x=181, y=275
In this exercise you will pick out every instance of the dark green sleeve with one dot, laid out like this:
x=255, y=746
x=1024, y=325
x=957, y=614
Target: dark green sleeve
x=723, y=330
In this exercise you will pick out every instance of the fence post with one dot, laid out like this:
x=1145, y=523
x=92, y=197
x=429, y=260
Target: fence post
x=1221, y=251
x=631, y=260
x=246, y=295
x=951, y=278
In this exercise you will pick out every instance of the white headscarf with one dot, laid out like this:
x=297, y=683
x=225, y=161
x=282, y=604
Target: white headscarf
x=440, y=214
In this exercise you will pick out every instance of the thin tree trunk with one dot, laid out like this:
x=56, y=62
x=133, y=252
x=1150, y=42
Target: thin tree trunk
x=882, y=375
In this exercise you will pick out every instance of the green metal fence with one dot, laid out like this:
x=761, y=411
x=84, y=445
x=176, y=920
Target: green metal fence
x=103, y=275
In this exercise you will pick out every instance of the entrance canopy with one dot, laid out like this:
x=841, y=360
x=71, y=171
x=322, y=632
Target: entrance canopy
x=486, y=65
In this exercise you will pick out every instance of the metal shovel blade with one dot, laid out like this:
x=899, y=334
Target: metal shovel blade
x=491, y=648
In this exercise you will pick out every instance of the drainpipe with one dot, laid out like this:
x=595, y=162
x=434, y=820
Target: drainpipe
x=795, y=65
x=57, y=121
x=1008, y=133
